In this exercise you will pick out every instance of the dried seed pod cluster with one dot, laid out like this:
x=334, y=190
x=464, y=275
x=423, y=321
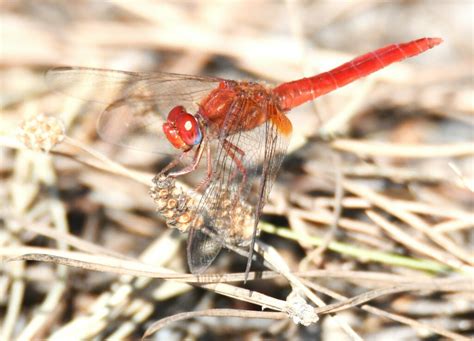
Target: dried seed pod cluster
x=228, y=210
x=179, y=209
x=173, y=204
x=41, y=132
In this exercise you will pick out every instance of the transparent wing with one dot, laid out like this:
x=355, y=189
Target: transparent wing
x=244, y=169
x=134, y=105
x=107, y=86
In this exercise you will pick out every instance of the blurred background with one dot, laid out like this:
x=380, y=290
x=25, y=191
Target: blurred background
x=425, y=101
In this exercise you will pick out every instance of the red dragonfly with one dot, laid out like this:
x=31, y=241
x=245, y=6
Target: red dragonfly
x=240, y=127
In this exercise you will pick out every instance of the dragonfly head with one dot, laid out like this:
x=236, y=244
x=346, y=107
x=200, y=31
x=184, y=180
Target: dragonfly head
x=182, y=129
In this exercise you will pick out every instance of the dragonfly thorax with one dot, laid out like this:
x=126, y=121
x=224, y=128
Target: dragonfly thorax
x=182, y=129
x=236, y=106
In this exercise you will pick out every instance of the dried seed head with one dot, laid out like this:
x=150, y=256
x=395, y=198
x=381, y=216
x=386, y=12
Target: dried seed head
x=231, y=216
x=184, y=218
x=168, y=214
x=300, y=311
x=41, y=132
x=173, y=204
x=160, y=203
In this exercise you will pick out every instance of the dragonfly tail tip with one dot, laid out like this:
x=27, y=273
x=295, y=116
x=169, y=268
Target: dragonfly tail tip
x=432, y=42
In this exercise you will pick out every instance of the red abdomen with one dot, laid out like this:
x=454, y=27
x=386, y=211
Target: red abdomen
x=295, y=93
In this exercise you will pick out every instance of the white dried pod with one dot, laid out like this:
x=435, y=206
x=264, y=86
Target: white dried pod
x=41, y=132
x=300, y=311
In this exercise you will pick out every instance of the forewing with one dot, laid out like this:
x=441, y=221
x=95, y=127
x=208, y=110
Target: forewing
x=136, y=124
x=107, y=86
x=230, y=207
x=134, y=105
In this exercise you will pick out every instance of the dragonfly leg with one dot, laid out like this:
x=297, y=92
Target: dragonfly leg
x=205, y=182
x=173, y=163
x=194, y=164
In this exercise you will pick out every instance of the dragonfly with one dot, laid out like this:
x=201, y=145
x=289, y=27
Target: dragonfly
x=240, y=127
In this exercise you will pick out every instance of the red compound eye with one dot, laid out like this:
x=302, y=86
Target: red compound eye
x=189, y=130
x=182, y=129
x=176, y=113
